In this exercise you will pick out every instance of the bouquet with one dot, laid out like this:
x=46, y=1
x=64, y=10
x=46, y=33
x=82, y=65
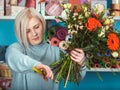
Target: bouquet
x=90, y=30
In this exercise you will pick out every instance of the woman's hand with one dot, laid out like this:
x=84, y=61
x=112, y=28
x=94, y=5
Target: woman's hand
x=47, y=72
x=78, y=56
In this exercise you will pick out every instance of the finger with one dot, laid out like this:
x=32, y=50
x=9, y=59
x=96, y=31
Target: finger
x=77, y=59
x=77, y=55
x=45, y=78
x=51, y=76
x=79, y=50
x=49, y=73
x=74, y=59
x=74, y=53
x=82, y=62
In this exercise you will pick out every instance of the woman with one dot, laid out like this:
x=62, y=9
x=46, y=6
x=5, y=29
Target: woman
x=31, y=51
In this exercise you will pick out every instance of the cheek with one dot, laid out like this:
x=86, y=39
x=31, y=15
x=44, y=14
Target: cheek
x=29, y=37
x=41, y=31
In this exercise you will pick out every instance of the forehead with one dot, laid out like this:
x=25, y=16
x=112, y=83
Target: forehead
x=33, y=21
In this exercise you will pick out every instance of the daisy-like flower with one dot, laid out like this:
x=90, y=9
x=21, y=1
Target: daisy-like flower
x=113, y=41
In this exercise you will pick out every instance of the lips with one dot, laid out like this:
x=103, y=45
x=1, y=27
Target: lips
x=35, y=38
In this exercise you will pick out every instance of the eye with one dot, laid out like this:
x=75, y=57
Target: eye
x=37, y=26
x=28, y=31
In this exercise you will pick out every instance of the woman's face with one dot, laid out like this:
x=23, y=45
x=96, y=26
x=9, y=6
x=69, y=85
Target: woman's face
x=34, y=31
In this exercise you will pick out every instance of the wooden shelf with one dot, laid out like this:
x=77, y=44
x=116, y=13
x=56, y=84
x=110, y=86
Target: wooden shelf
x=117, y=18
x=49, y=17
x=13, y=17
x=7, y=17
x=104, y=70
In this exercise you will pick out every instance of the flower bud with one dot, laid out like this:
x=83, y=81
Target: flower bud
x=107, y=21
x=80, y=17
x=113, y=14
x=85, y=9
x=87, y=14
x=106, y=27
x=69, y=26
x=75, y=14
x=74, y=19
x=112, y=20
x=68, y=5
x=81, y=27
x=102, y=33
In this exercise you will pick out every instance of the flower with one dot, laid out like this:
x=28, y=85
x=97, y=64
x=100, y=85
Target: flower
x=93, y=24
x=113, y=41
x=91, y=31
x=55, y=41
x=63, y=45
x=115, y=54
x=61, y=33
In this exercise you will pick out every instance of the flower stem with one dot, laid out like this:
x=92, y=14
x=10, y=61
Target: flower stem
x=68, y=74
x=99, y=76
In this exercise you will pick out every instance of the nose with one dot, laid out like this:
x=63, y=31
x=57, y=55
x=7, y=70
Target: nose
x=34, y=33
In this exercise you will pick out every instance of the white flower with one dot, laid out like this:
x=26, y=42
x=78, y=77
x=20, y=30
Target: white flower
x=68, y=38
x=102, y=33
x=85, y=9
x=81, y=27
x=74, y=19
x=74, y=32
x=75, y=14
x=67, y=6
x=69, y=26
x=80, y=17
x=87, y=14
x=64, y=15
x=99, y=8
x=112, y=20
x=115, y=54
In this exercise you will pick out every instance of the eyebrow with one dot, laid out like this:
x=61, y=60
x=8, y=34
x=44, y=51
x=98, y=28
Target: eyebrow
x=33, y=26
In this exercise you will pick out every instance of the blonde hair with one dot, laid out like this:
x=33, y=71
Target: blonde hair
x=21, y=24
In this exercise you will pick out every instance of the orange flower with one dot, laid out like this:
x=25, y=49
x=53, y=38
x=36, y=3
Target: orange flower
x=113, y=41
x=92, y=24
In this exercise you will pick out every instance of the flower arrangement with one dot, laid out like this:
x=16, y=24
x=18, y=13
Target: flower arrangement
x=90, y=30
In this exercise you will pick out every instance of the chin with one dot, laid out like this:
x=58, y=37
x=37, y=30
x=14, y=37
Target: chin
x=36, y=43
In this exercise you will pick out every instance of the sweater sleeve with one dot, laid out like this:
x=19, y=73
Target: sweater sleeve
x=83, y=72
x=18, y=61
